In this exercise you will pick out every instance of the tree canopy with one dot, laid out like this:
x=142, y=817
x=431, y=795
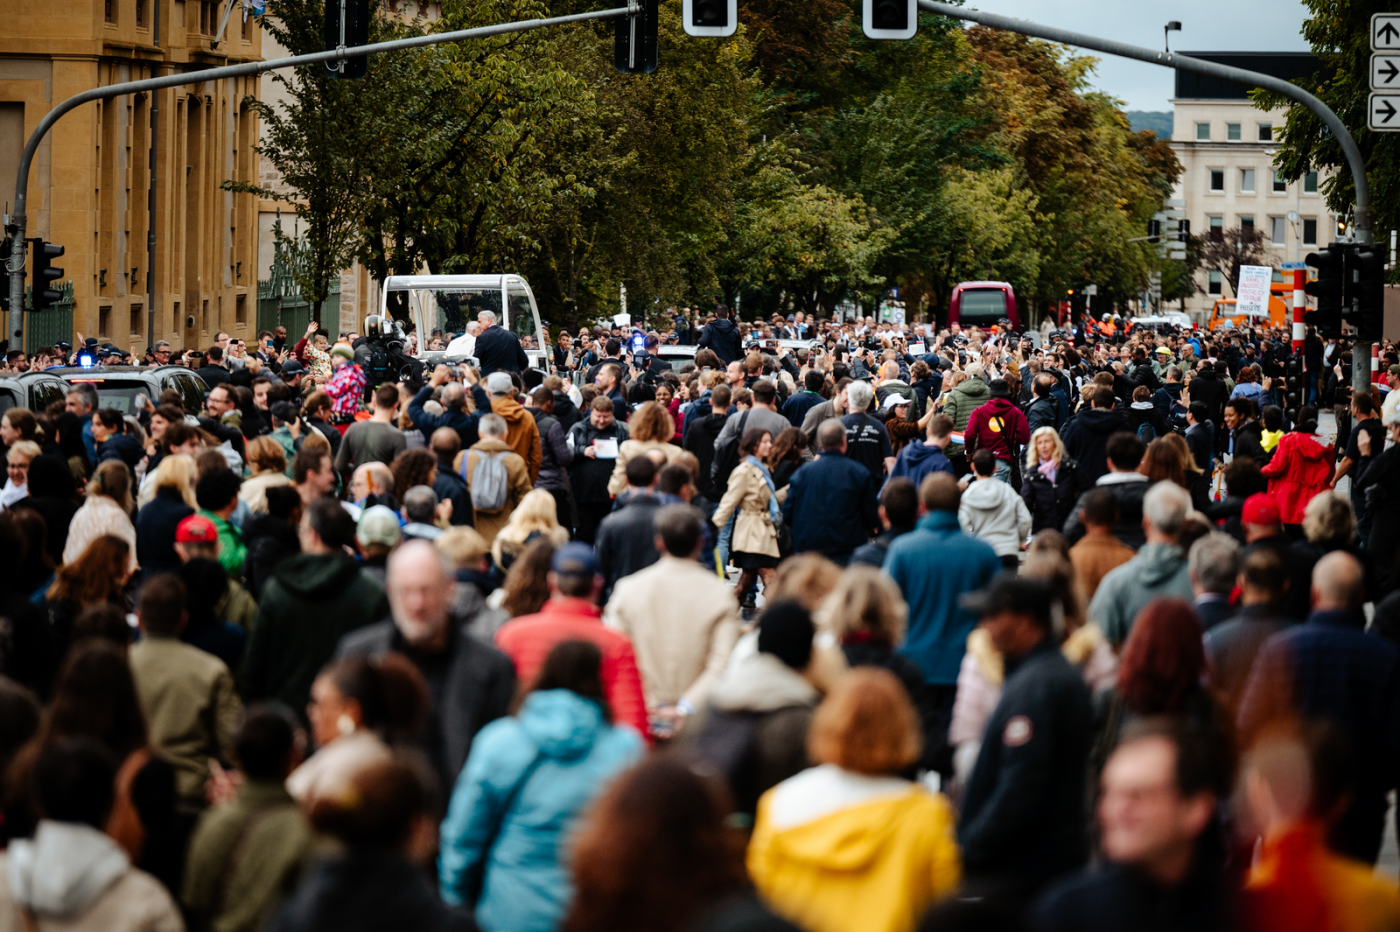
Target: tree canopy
x=792, y=166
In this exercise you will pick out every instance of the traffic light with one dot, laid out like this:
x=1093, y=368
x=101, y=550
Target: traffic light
x=710, y=17
x=1328, y=288
x=1154, y=229
x=1293, y=379
x=635, y=41
x=1365, y=296
x=890, y=19
x=44, y=273
x=347, y=24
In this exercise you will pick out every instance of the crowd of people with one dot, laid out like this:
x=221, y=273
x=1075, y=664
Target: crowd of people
x=896, y=629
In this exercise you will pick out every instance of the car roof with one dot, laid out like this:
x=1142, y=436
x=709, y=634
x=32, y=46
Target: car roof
x=65, y=371
x=428, y=282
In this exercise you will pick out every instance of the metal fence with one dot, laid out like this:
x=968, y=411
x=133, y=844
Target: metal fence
x=51, y=325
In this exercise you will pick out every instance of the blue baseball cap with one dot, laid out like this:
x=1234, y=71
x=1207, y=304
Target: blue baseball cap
x=575, y=559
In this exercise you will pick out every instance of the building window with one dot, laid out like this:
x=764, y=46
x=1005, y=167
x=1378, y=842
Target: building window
x=104, y=322
x=204, y=317
x=1232, y=132
x=1246, y=227
x=109, y=11
x=140, y=14
x=1246, y=181
x=176, y=325
x=1217, y=228
x=1309, y=231
x=1309, y=182
x=1276, y=230
x=1266, y=132
x=1280, y=183
x=1203, y=132
x=240, y=310
x=1217, y=180
x=136, y=328
x=1213, y=281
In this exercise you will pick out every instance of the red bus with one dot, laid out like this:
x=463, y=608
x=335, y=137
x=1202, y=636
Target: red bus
x=982, y=304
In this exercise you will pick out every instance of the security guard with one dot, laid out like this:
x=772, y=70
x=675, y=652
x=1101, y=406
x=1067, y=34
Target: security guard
x=1023, y=814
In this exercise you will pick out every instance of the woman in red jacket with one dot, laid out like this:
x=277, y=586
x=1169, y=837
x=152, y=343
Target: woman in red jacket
x=1301, y=467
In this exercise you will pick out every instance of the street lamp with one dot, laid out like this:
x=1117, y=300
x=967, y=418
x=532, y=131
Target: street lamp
x=1171, y=27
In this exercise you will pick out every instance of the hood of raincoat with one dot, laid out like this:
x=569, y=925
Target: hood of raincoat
x=64, y=868
x=561, y=723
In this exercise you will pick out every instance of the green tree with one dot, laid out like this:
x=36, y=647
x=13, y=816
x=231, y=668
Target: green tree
x=1339, y=32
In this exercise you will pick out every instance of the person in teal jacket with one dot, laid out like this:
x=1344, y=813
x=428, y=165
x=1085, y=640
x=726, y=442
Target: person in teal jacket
x=527, y=780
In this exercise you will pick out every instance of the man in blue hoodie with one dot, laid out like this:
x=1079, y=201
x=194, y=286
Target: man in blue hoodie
x=934, y=566
x=921, y=458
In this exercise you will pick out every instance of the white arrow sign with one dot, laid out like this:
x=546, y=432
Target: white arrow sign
x=1385, y=72
x=1383, y=114
x=1385, y=32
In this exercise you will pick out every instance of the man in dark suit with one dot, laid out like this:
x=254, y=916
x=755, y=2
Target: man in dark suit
x=497, y=349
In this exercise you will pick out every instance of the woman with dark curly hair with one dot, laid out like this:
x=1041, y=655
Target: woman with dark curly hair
x=412, y=468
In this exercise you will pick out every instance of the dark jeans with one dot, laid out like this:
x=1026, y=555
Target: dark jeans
x=1011, y=563
x=564, y=506
x=938, y=755
x=1363, y=514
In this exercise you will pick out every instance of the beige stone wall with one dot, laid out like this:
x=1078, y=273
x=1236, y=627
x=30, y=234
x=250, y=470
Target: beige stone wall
x=89, y=186
x=1219, y=152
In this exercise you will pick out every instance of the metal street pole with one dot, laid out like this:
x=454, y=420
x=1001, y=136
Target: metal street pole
x=1361, y=352
x=18, y=219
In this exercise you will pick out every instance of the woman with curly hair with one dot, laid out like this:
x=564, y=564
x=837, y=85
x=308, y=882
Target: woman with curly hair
x=651, y=428
x=412, y=468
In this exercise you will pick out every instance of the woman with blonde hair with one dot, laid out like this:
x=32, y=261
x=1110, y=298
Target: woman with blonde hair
x=17, y=459
x=267, y=468
x=536, y=516
x=866, y=613
x=107, y=510
x=1049, y=483
x=848, y=845
x=651, y=428
x=172, y=501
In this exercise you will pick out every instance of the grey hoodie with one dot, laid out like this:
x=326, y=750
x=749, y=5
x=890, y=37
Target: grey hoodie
x=992, y=512
x=64, y=868
x=1157, y=570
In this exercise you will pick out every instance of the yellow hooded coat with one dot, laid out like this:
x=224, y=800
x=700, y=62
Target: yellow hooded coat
x=873, y=867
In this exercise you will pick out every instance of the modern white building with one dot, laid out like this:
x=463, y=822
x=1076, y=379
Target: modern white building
x=1226, y=146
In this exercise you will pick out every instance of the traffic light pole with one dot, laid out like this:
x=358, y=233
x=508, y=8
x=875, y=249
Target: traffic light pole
x=1361, y=352
x=18, y=220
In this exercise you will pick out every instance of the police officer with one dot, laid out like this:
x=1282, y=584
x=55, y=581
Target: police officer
x=1023, y=813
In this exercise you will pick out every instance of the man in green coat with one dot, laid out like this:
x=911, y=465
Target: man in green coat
x=216, y=493
x=311, y=601
x=246, y=856
x=967, y=396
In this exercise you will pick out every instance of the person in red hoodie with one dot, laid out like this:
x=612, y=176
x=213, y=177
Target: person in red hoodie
x=1301, y=468
x=999, y=426
x=572, y=614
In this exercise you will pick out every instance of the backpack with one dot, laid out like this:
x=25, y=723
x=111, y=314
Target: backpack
x=727, y=457
x=490, y=482
x=379, y=366
x=1146, y=432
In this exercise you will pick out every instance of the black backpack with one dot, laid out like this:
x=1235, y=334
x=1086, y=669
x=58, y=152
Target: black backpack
x=727, y=457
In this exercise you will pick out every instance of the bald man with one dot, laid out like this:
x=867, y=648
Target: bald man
x=1331, y=670
x=470, y=682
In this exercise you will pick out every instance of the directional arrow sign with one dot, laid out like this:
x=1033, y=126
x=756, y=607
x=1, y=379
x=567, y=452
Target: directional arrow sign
x=1385, y=32
x=1383, y=114
x=1385, y=72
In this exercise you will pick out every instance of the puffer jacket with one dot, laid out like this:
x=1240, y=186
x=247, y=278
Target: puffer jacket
x=590, y=476
x=1050, y=503
x=555, y=453
x=1301, y=467
x=992, y=512
x=723, y=337
x=968, y=396
x=122, y=447
x=531, y=777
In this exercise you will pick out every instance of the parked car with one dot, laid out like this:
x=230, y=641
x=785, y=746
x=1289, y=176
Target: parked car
x=118, y=386
x=32, y=390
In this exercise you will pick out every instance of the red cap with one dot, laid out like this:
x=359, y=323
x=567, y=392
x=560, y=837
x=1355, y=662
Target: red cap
x=1258, y=509
x=196, y=529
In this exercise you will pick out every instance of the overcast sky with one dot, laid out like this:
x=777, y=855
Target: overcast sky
x=1206, y=25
